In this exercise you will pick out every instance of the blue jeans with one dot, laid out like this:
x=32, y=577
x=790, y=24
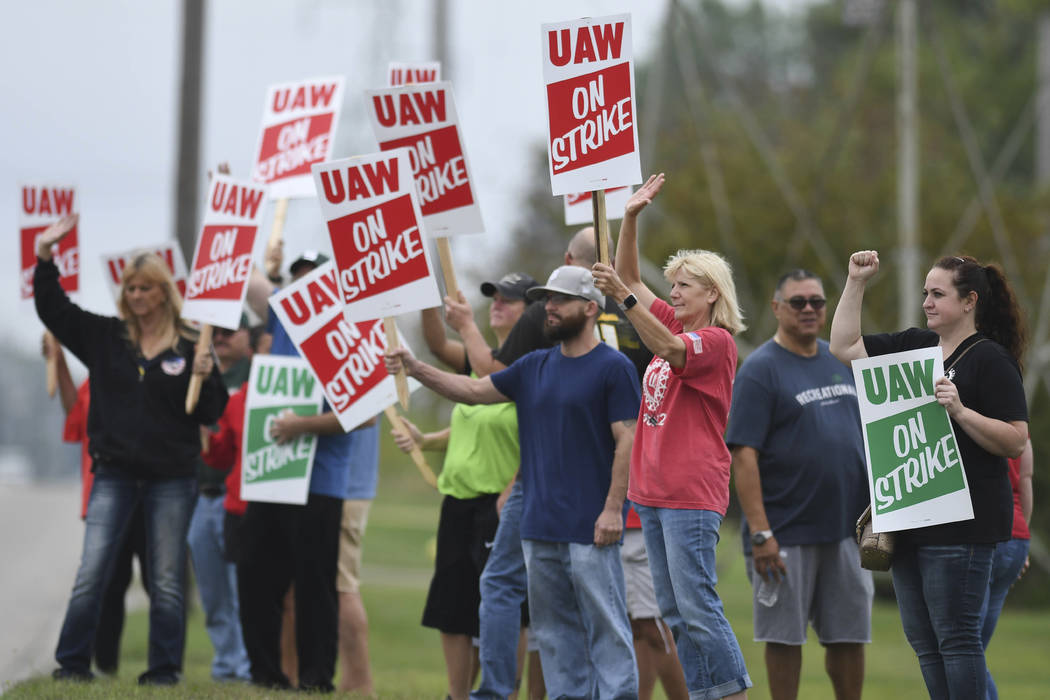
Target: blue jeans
x=940, y=591
x=681, y=545
x=503, y=588
x=217, y=582
x=1007, y=563
x=166, y=505
x=578, y=613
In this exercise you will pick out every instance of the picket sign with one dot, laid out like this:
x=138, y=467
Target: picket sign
x=222, y=262
x=915, y=472
x=601, y=227
x=271, y=472
x=297, y=131
x=275, y=241
x=413, y=72
x=42, y=205
x=113, y=266
x=591, y=112
x=393, y=343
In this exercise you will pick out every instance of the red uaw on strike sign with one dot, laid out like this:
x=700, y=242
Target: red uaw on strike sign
x=114, y=265
x=578, y=208
x=222, y=260
x=382, y=262
x=347, y=357
x=422, y=118
x=298, y=130
x=413, y=73
x=592, y=129
x=39, y=207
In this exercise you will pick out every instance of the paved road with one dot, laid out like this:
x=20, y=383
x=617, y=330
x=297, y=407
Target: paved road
x=40, y=539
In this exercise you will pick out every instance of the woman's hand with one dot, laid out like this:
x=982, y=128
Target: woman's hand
x=53, y=234
x=947, y=395
x=202, y=362
x=644, y=195
x=609, y=283
x=406, y=441
x=286, y=427
x=458, y=314
x=863, y=265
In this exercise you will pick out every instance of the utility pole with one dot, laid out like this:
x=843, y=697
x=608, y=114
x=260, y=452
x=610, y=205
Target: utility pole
x=907, y=164
x=187, y=163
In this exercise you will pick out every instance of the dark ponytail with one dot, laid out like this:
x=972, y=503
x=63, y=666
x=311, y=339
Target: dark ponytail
x=998, y=314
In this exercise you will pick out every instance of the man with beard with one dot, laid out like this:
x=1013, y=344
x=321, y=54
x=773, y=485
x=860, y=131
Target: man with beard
x=576, y=405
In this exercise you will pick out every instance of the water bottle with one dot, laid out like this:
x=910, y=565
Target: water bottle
x=769, y=586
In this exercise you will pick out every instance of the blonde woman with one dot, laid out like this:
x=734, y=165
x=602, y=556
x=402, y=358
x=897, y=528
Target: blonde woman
x=144, y=446
x=679, y=482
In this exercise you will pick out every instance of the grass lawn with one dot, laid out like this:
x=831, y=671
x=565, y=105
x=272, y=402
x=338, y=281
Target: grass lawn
x=407, y=661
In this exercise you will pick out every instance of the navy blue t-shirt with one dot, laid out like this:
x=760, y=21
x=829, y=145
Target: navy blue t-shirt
x=802, y=416
x=565, y=407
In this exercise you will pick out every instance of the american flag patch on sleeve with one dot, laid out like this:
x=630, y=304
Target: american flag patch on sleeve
x=698, y=343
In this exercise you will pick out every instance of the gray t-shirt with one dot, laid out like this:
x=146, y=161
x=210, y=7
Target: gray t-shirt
x=802, y=416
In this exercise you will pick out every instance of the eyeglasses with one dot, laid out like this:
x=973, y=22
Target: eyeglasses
x=799, y=303
x=558, y=298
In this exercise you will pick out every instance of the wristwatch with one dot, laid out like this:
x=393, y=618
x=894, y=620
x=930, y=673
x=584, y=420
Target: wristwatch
x=760, y=537
x=629, y=301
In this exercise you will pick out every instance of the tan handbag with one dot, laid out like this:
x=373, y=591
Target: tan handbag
x=876, y=550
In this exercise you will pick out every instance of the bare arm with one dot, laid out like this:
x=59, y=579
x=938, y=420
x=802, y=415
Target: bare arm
x=1002, y=438
x=1024, y=482
x=258, y=294
x=654, y=334
x=289, y=425
x=609, y=526
x=767, y=558
x=415, y=438
x=627, y=245
x=460, y=317
x=451, y=352
x=846, y=342
x=456, y=387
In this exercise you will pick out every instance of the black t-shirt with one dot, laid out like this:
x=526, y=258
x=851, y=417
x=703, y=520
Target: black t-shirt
x=525, y=336
x=989, y=382
x=614, y=329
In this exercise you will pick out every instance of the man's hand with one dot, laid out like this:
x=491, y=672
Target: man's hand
x=767, y=560
x=53, y=234
x=608, y=527
x=286, y=427
x=399, y=359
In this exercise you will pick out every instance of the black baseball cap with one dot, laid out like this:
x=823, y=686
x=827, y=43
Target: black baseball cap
x=308, y=257
x=512, y=286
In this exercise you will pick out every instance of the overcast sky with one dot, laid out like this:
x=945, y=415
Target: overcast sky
x=90, y=91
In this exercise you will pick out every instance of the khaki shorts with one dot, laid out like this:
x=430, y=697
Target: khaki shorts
x=638, y=580
x=351, y=535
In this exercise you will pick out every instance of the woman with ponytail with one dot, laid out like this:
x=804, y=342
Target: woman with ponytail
x=941, y=572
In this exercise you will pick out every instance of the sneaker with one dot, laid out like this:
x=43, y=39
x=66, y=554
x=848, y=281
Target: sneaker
x=72, y=674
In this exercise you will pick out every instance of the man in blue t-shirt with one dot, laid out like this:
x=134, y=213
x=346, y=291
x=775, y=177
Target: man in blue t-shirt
x=798, y=458
x=289, y=544
x=576, y=404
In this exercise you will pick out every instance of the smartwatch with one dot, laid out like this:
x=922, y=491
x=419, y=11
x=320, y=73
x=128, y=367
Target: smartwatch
x=760, y=537
x=628, y=303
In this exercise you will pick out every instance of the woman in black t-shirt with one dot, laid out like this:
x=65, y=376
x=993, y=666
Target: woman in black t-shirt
x=940, y=573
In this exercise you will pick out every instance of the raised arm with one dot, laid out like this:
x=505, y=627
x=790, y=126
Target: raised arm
x=460, y=317
x=846, y=341
x=627, y=245
x=609, y=525
x=451, y=352
x=456, y=387
x=654, y=334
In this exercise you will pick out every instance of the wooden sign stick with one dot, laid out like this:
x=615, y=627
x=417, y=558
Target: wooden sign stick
x=445, y=255
x=601, y=227
x=400, y=379
x=416, y=453
x=193, y=392
x=52, y=363
x=280, y=212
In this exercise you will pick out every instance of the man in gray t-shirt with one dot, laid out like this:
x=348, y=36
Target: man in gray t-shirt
x=798, y=458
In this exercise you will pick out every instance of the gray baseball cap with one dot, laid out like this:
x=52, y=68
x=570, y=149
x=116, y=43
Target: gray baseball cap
x=569, y=279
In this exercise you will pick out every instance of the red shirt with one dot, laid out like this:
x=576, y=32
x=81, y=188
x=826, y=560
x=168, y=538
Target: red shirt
x=75, y=430
x=679, y=458
x=1020, y=528
x=224, y=450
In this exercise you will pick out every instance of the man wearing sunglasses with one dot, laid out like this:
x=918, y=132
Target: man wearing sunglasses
x=798, y=458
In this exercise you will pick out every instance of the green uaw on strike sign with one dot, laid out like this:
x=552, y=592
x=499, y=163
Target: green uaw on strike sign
x=915, y=472
x=269, y=471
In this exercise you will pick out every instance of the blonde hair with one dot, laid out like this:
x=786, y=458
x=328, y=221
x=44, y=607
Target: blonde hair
x=713, y=270
x=152, y=268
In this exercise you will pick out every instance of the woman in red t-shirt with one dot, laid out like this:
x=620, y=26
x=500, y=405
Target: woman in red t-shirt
x=679, y=481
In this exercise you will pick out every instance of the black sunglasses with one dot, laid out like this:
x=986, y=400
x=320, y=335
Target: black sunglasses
x=799, y=303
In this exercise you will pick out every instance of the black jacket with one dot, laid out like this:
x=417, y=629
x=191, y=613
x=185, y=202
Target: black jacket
x=137, y=420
